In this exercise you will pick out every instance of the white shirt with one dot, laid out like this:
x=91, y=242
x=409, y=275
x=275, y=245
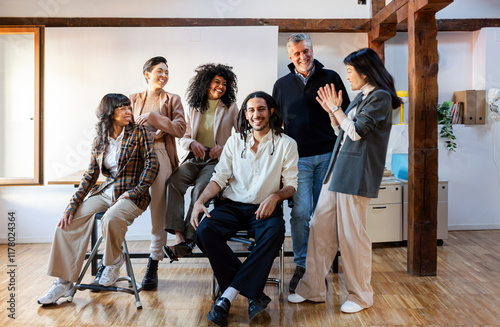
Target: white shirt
x=251, y=177
x=111, y=157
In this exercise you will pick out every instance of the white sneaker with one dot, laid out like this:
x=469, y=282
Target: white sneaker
x=111, y=273
x=295, y=298
x=350, y=307
x=56, y=291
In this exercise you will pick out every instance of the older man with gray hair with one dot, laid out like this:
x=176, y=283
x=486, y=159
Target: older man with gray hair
x=309, y=125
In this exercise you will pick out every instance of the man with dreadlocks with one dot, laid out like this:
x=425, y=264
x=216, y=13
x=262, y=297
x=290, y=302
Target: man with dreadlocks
x=256, y=171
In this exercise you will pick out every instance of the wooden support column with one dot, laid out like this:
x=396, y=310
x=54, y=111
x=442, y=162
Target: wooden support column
x=378, y=35
x=374, y=43
x=423, y=135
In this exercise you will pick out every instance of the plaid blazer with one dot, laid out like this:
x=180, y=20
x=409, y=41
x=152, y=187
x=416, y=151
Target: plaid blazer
x=137, y=170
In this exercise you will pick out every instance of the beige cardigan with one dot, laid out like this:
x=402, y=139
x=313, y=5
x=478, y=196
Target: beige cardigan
x=224, y=120
x=169, y=119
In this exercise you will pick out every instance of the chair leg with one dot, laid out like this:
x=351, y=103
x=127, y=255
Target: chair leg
x=282, y=271
x=130, y=273
x=130, y=276
x=93, y=254
x=93, y=239
x=335, y=264
x=214, y=288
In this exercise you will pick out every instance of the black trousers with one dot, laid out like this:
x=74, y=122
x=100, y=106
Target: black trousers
x=226, y=219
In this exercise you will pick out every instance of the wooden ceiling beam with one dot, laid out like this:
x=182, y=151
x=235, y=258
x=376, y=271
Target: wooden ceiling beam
x=388, y=15
x=285, y=25
x=382, y=32
x=402, y=14
x=459, y=25
x=377, y=5
x=431, y=5
x=397, y=11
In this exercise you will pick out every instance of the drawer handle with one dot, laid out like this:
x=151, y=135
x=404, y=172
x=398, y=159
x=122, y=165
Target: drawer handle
x=382, y=188
x=379, y=208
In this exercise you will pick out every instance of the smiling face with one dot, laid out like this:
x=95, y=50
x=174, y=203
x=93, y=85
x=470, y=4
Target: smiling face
x=357, y=80
x=122, y=116
x=258, y=114
x=302, y=56
x=157, y=77
x=217, y=88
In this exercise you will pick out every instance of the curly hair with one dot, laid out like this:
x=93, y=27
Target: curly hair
x=105, y=112
x=275, y=121
x=197, y=92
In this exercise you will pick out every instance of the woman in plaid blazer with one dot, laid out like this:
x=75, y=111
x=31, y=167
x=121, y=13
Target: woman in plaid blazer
x=123, y=152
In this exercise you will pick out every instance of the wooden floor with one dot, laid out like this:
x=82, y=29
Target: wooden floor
x=466, y=291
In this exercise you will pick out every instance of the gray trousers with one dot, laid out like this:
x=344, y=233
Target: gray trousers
x=196, y=172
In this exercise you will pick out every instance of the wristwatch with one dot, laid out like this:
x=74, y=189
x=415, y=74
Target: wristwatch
x=335, y=108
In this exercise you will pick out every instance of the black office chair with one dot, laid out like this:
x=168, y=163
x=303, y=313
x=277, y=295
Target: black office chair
x=244, y=238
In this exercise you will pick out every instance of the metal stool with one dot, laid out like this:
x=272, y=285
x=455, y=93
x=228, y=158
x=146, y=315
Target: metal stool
x=134, y=287
x=243, y=237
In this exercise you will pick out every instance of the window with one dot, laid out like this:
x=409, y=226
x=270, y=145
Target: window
x=21, y=105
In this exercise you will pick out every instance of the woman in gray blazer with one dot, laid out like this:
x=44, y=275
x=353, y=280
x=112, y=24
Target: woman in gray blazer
x=354, y=177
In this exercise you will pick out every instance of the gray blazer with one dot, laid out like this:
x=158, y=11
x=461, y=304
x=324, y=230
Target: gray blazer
x=358, y=166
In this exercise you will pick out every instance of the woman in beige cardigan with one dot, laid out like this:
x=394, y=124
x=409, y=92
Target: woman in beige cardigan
x=211, y=116
x=163, y=115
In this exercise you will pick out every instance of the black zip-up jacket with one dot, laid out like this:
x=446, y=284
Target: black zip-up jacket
x=305, y=120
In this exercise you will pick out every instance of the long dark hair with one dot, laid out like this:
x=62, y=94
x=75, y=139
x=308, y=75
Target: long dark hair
x=105, y=112
x=275, y=121
x=151, y=63
x=197, y=92
x=367, y=62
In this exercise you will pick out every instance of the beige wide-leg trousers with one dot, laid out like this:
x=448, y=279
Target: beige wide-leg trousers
x=158, y=205
x=339, y=221
x=70, y=244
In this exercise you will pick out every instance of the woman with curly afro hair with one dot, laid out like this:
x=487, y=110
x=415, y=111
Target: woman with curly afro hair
x=212, y=112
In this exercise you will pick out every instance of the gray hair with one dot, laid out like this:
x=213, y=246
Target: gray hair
x=297, y=38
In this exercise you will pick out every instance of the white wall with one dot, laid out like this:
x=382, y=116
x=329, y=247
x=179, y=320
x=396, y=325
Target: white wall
x=474, y=180
x=469, y=9
x=184, y=9
x=223, y=9
x=474, y=186
x=83, y=64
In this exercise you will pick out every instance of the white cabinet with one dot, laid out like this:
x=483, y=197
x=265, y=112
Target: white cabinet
x=387, y=219
x=384, y=222
x=442, y=211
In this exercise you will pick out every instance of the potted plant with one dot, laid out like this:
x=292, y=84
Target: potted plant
x=446, y=132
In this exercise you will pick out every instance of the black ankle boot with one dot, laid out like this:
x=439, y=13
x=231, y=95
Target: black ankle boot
x=150, y=280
